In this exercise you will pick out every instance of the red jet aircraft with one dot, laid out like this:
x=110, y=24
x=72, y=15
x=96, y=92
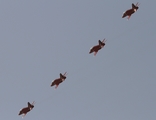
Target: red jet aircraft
x=26, y=109
x=131, y=11
x=96, y=48
x=57, y=81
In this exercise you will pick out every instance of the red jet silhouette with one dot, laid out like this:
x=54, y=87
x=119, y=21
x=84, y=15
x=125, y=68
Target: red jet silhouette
x=57, y=81
x=96, y=48
x=26, y=109
x=131, y=11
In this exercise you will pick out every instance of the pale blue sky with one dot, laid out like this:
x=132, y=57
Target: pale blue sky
x=41, y=38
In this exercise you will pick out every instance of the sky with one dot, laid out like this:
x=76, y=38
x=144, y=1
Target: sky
x=39, y=39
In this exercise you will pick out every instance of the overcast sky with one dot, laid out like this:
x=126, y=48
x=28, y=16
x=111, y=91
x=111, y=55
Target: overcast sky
x=39, y=39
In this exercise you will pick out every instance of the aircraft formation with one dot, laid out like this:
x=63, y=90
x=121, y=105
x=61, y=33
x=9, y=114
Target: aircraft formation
x=93, y=49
